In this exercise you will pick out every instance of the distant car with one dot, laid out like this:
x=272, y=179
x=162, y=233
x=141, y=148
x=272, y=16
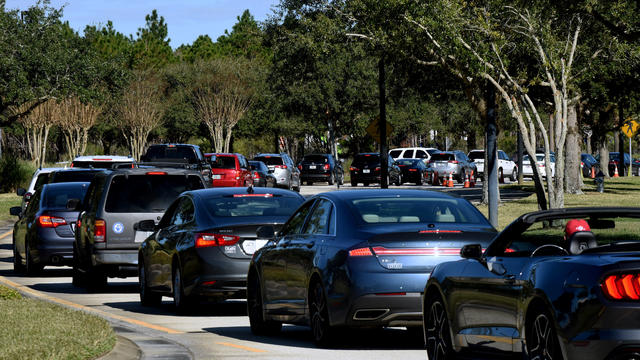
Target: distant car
x=366, y=169
x=455, y=163
x=102, y=161
x=616, y=162
x=283, y=168
x=321, y=167
x=415, y=171
x=262, y=176
x=506, y=167
x=547, y=292
x=204, y=242
x=229, y=170
x=44, y=234
x=39, y=178
x=107, y=236
x=358, y=258
x=588, y=162
x=187, y=156
x=423, y=153
x=636, y=167
x=527, y=171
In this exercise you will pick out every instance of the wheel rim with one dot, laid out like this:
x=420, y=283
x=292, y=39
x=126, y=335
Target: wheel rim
x=177, y=289
x=318, y=309
x=436, y=331
x=541, y=344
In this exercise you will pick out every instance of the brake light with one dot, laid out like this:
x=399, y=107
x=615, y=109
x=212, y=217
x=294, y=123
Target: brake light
x=156, y=173
x=453, y=161
x=256, y=175
x=351, y=168
x=281, y=166
x=360, y=252
x=299, y=167
x=378, y=168
x=71, y=165
x=622, y=287
x=100, y=231
x=326, y=166
x=413, y=169
x=98, y=159
x=419, y=251
x=252, y=195
x=210, y=240
x=46, y=221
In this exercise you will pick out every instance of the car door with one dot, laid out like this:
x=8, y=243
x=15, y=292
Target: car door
x=274, y=261
x=158, y=274
x=27, y=223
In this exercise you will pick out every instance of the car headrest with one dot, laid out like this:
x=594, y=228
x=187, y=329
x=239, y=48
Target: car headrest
x=580, y=241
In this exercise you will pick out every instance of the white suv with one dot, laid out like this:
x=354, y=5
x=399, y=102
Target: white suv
x=413, y=153
x=506, y=167
x=102, y=161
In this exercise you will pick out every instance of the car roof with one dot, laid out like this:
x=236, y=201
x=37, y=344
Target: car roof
x=414, y=148
x=105, y=158
x=222, y=191
x=349, y=195
x=79, y=170
x=48, y=170
x=174, y=144
x=65, y=184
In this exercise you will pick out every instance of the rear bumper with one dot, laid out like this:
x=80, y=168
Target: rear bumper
x=604, y=344
x=229, y=275
x=386, y=310
x=115, y=257
x=317, y=177
x=52, y=249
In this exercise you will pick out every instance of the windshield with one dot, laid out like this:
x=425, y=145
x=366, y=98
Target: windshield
x=367, y=159
x=170, y=154
x=315, y=159
x=252, y=205
x=270, y=160
x=442, y=157
x=224, y=162
x=98, y=164
x=147, y=193
x=55, y=196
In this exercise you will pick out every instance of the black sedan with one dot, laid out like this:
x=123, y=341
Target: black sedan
x=415, y=171
x=366, y=168
x=262, y=176
x=554, y=284
x=358, y=259
x=321, y=167
x=204, y=242
x=44, y=234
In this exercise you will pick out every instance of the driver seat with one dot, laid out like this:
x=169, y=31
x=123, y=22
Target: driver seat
x=581, y=240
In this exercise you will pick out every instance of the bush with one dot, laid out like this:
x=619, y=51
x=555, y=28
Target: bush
x=14, y=173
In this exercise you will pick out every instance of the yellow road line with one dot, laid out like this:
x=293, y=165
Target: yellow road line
x=38, y=294
x=247, y=348
x=6, y=234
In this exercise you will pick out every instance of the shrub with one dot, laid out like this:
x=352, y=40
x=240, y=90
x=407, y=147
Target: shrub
x=14, y=173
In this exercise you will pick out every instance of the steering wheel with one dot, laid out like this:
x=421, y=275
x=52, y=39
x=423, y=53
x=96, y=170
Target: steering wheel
x=551, y=246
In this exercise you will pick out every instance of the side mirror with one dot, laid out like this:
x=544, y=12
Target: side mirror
x=73, y=204
x=21, y=192
x=145, y=225
x=471, y=251
x=266, y=232
x=15, y=211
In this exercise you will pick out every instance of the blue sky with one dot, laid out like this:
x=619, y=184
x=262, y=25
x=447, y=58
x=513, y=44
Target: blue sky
x=186, y=19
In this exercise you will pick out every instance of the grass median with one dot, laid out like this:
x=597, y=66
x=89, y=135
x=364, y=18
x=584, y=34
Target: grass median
x=34, y=329
x=6, y=201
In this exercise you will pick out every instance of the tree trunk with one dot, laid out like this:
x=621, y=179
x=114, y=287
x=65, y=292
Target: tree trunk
x=572, y=171
x=604, y=156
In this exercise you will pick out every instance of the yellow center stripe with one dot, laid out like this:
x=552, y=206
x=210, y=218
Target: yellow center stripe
x=6, y=234
x=247, y=348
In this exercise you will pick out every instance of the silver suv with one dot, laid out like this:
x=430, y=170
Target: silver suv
x=282, y=167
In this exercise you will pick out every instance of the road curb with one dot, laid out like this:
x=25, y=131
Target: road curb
x=125, y=349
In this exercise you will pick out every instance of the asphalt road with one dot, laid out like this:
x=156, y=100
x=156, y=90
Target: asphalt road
x=216, y=330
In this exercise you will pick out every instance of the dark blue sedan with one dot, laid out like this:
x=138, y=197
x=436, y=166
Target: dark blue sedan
x=358, y=259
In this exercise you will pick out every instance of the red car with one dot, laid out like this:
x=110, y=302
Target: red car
x=230, y=170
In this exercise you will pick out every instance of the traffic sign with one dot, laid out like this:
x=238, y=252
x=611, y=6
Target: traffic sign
x=374, y=129
x=630, y=128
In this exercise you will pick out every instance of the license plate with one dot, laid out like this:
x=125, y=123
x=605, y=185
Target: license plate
x=217, y=177
x=142, y=235
x=366, y=171
x=312, y=167
x=250, y=246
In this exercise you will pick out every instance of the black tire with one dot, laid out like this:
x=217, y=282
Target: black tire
x=437, y=335
x=78, y=278
x=420, y=180
x=399, y=180
x=331, y=180
x=341, y=180
x=181, y=301
x=96, y=279
x=322, y=332
x=541, y=338
x=353, y=183
x=500, y=175
x=31, y=268
x=259, y=326
x=460, y=179
x=17, y=260
x=514, y=175
x=147, y=296
x=297, y=188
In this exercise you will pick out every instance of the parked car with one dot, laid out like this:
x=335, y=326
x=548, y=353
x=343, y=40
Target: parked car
x=415, y=171
x=455, y=163
x=587, y=162
x=366, y=169
x=636, y=167
x=186, y=156
x=283, y=168
x=615, y=161
x=107, y=239
x=423, y=153
x=262, y=176
x=358, y=258
x=321, y=167
x=204, y=242
x=527, y=171
x=568, y=292
x=39, y=178
x=505, y=165
x=229, y=170
x=102, y=161
x=43, y=235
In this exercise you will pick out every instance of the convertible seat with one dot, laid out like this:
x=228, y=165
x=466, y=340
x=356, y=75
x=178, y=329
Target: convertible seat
x=581, y=240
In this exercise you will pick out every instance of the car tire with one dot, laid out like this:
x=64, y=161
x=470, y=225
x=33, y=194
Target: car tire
x=514, y=175
x=31, y=268
x=259, y=326
x=181, y=301
x=96, y=279
x=321, y=330
x=399, y=180
x=147, y=296
x=331, y=180
x=354, y=184
x=420, y=180
x=437, y=335
x=290, y=184
x=341, y=181
x=540, y=335
x=78, y=278
x=17, y=260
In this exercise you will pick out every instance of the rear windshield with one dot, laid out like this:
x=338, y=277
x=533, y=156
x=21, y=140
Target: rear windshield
x=442, y=157
x=147, y=193
x=224, y=162
x=366, y=159
x=56, y=197
x=475, y=155
x=72, y=176
x=270, y=160
x=257, y=165
x=417, y=210
x=99, y=164
x=316, y=159
x=432, y=151
x=258, y=205
x=165, y=153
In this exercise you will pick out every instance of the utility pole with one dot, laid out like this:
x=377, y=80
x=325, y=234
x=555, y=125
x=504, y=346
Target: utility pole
x=384, y=164
x=492, y=151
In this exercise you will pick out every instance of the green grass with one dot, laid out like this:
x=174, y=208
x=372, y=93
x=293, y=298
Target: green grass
x=624, y=191
x=7, y=201
x=34, y=329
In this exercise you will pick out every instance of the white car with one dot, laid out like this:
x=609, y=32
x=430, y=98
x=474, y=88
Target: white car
x=506, y=167
x=528, y=172
x=40, y=177
x=413, y=153
x=102, y=161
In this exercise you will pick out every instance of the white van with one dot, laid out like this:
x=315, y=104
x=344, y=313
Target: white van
x=413, y=153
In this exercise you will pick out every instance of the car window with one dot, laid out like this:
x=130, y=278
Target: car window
x=72, y=176
x=315, y=159
x=56, y=197
x=171, y=153
x=421, y=154
x=34, y=204
x=243, y=205
x=270, y=160
x=476, y=155
x=395, y=153
x=42, y=179
x=185, y=212
x=320, y=219
x=442, y=157
x=361, y=159
x=224, y=162
x=296, y=222
x=408, y=154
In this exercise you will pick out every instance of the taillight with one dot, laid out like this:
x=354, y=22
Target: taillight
x=209, y=240
x=281, y=166
x=256, y=175
x=378, y=168
x=300, y=167
x=326, y=166
x=46, y=221
x=622, y=287
x=419, y=251
x=156, y=173
x=99, y=231
x=351, y=168
x=413, y=169
x=361, y=252
x=453, y=162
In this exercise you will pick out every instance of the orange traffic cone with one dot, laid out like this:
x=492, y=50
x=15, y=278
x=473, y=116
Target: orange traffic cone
x=472, y=179
x=450, y=182
x=615, y=173
x=466, y=181
x=593, y=172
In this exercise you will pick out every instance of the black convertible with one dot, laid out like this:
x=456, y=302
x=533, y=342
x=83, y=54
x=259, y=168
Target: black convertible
x=555, y=284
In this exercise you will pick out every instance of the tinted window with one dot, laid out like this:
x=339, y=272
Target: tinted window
x=147, y=193
x=254, y=205
x=315, y=159
x=320, y=218
x=224, y=162
x=366, y=159
x=72, y=176
x=421, y=154
x=417, y=210
x=270, y=160
x=442, y=157
x=395, y=153
x=296, y=222
x=258, y=165
x=184, y=213
x=475, y=155
x=407, y=162
x=56, y=197
x=166, y=153
x=42, y=179
x=408, y=154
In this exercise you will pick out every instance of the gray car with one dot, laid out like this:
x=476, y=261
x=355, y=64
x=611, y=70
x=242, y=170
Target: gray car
x=282, y=167
x=454, y=162
x=107, y=238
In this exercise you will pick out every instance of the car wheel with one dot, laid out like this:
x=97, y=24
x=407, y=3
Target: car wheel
x=353, y=183
x=17, y=260
x=399, y=180
x=514, y=175
x=541, y=339
x=290, y=184
x=78, y=279
x=147, y=296
x=31, y=267
x=319, y=316
x=259, y=326
x=96, y=279
x=341, y=180
x=180, y=301
x=331, y=179
x=436, y=330
x=420, y=180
